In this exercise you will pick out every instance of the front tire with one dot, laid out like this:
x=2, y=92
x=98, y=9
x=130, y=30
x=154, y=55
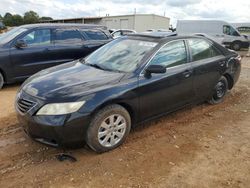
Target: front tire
x=108, y=128
x=1, y=80
x=236, y=46
x=220, y=91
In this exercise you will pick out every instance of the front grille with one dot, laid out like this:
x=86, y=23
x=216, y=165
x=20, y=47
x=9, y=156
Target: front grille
x=25, y=105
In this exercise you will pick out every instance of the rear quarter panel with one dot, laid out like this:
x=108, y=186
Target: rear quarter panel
x=234, y=67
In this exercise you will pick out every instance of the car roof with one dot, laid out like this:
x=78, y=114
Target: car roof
x=160, y=33
x=165, y=39
x=124, y=30
x=63, y=25
x=161, y=38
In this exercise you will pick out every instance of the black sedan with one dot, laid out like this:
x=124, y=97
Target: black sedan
x=96, y=100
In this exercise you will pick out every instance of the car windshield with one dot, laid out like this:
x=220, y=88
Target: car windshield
x=122, y=55
x=8, y=36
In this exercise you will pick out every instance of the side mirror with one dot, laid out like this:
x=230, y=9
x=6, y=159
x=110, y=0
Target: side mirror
x=21, y=44
x=245, y=36
x=157, y=69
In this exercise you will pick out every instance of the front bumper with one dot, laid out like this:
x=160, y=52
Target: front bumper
x=244, y=44
x=58, y=131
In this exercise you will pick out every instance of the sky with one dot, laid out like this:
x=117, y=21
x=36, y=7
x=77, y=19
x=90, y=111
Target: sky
x=228, y=10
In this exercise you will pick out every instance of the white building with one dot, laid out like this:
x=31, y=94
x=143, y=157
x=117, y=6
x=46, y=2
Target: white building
x=138, y=22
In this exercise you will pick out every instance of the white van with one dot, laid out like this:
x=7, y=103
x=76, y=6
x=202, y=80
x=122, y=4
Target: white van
x=220, y=31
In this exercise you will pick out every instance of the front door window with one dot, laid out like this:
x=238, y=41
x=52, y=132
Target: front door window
x=173, y=54
x=38, y=37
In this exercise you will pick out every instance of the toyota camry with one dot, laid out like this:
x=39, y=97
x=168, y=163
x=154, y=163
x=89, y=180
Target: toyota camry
x=96, y=100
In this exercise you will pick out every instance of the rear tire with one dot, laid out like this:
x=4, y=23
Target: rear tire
x=236, y=46
x=1, y=80
x=108, y=128
x=220, y=91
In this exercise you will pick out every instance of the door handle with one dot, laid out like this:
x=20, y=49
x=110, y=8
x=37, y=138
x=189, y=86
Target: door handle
x=187, y=73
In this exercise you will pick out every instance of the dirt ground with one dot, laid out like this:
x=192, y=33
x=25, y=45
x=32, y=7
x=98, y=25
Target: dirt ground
x=202, y=146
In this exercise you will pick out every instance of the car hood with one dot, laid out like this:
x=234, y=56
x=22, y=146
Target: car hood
x=70, y=80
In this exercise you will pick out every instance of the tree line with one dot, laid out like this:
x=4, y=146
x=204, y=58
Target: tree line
x=29, y=17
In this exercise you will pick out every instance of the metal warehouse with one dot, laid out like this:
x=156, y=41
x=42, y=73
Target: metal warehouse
x=138, y=22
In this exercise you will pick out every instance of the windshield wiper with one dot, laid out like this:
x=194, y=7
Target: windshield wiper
x=96, y=66
x=99, y=67
x=82, y=60
x=113, y=70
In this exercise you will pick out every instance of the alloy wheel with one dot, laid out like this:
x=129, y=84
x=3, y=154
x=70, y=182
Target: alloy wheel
x=112, y=130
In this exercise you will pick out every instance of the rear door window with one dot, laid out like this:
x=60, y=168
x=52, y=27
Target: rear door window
x=201, y=49
x=68, y=36
x=94, y=35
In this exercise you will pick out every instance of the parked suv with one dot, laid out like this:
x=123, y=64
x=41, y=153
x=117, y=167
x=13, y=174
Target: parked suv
x=28, y=49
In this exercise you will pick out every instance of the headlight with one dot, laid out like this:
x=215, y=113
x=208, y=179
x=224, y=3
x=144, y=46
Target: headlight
x=60, y=108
